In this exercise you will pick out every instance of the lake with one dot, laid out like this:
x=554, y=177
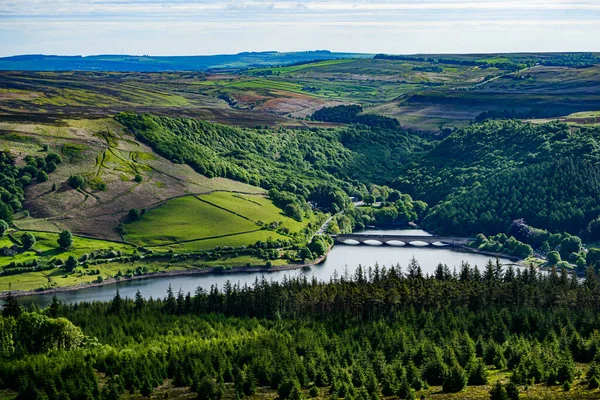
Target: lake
x=342, y=259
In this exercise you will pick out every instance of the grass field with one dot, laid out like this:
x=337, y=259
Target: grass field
x=46, y=247
x=255, y=208
x=195, y=223
x=236, y=240
x=185, y=218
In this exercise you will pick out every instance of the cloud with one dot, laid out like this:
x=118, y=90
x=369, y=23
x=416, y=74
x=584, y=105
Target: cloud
x=91, y=26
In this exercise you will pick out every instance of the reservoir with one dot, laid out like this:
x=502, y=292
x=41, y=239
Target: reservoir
x=342, y=259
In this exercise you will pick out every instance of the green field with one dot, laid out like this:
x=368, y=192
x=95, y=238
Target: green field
x=99, y=150
x=255, y=208
x=194, y=223
x=296, y=68
x=46, y=247
x=185, y=218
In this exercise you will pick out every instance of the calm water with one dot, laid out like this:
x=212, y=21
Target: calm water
x=342, y=258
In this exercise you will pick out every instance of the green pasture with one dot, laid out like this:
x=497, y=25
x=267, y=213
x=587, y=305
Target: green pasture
x=195, y=223
x=185, y=218
x=255, y=208
x=295, y=68
x=236, y=240
x=46, y=247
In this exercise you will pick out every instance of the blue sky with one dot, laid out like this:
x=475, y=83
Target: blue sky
x=188, y=27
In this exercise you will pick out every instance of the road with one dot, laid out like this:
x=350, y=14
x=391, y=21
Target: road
x=323, y=228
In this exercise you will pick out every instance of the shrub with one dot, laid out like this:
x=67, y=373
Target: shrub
x=134, y=215
x=96, y=184
x=28, y=240
x=65, y=239
x=50, y=166
x=71, y=264
x=76, y=181
x=286, y=388
x=53, y=157
x=42, y=176
x=553, y=257
x=3, y=227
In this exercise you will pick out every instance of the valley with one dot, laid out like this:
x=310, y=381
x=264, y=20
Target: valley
x=176, y=222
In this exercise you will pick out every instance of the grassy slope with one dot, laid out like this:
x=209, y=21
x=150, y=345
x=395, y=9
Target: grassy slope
x=185, y=218
x=99, y=149
x=196, y=223
x=46, y=248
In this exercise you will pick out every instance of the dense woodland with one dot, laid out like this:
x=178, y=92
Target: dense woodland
x=477, y=180
x=482, y=177
x=13, y=179
x=379, y=332
x=300, y=161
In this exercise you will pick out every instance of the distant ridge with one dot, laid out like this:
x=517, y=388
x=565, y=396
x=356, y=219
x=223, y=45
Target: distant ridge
x=132, y=63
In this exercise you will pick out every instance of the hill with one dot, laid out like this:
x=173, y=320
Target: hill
x=425, y=93
x=483, y=177
x=306, y=159
x=129, y=63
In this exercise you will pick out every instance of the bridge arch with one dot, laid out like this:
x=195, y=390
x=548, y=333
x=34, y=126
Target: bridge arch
x=401, y=240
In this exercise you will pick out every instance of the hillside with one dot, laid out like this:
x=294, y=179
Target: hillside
x=484, y=176
x=308, y=159
x=120, y=173
x=425, y=93
x=109, y=160
x=202, y=169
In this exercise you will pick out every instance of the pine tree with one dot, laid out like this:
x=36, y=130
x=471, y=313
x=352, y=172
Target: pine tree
x=139, y=301
x=11, y=307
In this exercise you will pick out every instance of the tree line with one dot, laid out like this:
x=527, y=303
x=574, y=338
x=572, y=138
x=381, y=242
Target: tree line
x=375, y=332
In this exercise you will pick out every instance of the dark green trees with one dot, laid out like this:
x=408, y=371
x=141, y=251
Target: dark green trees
x=42, y=176
x=483, y=177
x=65, y=240
x=207, y=389
x=28, y=240
x=11, y=308
x=568, y=245
x=553, y=257
x=70, y=264
x=3, y=228
x=76, y=181
x=134, y=215
x=456, y=379
x=293, y=211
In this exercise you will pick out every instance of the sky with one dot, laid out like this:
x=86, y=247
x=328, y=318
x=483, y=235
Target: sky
x=195, y=27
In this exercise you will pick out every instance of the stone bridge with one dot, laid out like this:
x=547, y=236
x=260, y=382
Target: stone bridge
x=400, y=240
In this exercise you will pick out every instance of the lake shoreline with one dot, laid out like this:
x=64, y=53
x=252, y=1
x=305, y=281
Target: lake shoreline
x=220, y=271
x=164, y=274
